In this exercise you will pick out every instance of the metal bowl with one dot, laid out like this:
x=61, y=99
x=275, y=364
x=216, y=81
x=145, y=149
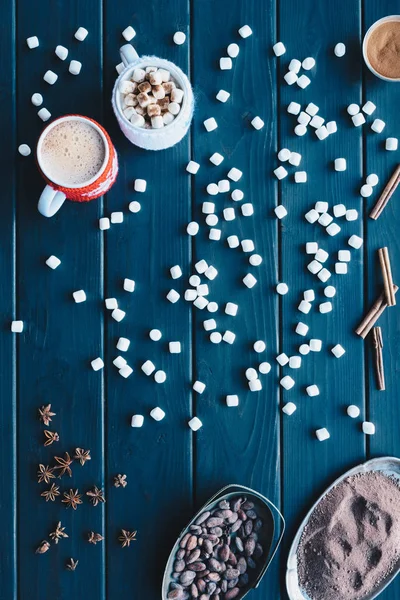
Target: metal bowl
x=270, y=535
x=389, y=466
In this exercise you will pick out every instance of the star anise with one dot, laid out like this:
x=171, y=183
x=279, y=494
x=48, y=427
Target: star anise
x=45, y=414
x=72, y=499
x=58, y=533
x=51, y=493
x=45, y=474
x=93, y=538
x=51, y=436
x=63, y=464
x=44, y=546
x=120, y=481
x=82, y=455
x=72, y=564
x=96, y=495
x=127, y=537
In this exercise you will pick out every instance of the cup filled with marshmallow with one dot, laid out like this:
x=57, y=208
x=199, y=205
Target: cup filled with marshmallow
x=152, y=100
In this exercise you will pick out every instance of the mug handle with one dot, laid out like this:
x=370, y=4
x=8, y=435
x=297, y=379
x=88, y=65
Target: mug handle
x=128, y=54
x=50, y=201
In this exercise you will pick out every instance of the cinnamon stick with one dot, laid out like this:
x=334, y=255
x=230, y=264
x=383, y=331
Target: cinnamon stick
x=379, y=369
x=386, y=194
x=373, y=314
x=386, y=269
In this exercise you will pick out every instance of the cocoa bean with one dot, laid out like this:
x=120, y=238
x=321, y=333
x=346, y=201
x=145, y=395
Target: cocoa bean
x=247, y=505
x=201, y=585
x=197, y=566
x=236, y=504
x=236, y=526
x=231, y=594
x=223, y=504
x=202, y=574
x=242, y=515
x=204, y=597
x=214, y=565
x=224, y=586
x=187, y=577
x=249, y=547
x=204, y=530
x=258, y=552
x=239, y=544
x=243, y=580
x=184, y=540
x=216, y=531
x=254, y=536
x=233, y=583
x=258, y=524
x=175, y=575
x=233, y=518
x=224, y=514
x=203, y=517
x=224, y=552
x=248, y=527
x=177, y=594
x=242, y=565
x=214, y=522
x=180, y=553
x=251, y=514
x=213, y=577
x=193, y=556
x=175, y=586
x=216, y=597
x=179, y=566
x=232, y=559
x=213, y=538
x=191, y=543
x=231, y=574
x=211, y=587
x=251, y=563
x=195, y=529
x=207, y=546
x=194, y=591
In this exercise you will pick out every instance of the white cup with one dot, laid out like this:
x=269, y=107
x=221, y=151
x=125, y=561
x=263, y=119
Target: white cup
x=365, y=45
x=153, y=139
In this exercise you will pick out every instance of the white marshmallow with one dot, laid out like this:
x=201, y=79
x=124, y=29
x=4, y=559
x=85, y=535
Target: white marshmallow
x=330, y=291
x=158, y=122
x=192, y=167
x=215, y=234
x=129, y=285
x=324, y=275
x=304, y=307
x=104, y=223
x=300, y=130
x=97, y=364
x=157, y=413
x=280, y=172
x=294, y=65
x=123, y=344
x=301, y=329
x=229, y=214
x=17, y=326
x=75, y=67
x=215, y=337
x=37, y=99
x=237, y=195
x=315, y=345
x=53, y=262
x=353, y=109
x=322, y=434
x=282, y=359
x=255, y=260
x=284, y=154
x=117, y=217
x=333, y=229
x=314, y=267
x=369, y=107
x=235, y=174
x=160, y=376
x=358, y=119
x=344, y=255
x=294, y=108
x=300, y=177
x=173, y=296
x=303, y=118
x=257, y=123
x=179, y=38
x=280, y=211
x=312, y=216
x=137, y=420
x=81, y=34
x=251, y=374
x=317, y=122
x=232, y=400
x=32, y=42
x=391, y=143
x=308, y=63
x=119, y=362
x=264, y=368
x=312, y=390
x=224, y=186
x=128, y=33
x=289, y=408
x=249, y=280
x=372, y=179
x=167, y=117
x=247, y=209
x=44, y=114
x=311, y=247
x=208, y=207
x=303, y=81
x=279, y=49
x=190, y=295
x=195, y=424
x=202, y=290
x=61, y=52
x=192, y=228
x=282, y=289
x=199, y=387
x=287, y=382
x=200, y=302
x=355, y=242
x=233, y=50
x=341, y=268
x=225, y=63
x=126, y=371
x=79, y=296
x=309, y=295
x=111, y=303
x=339, y=210
x=247, y=245
x=175, y=347
x=231, y=309
x=338, y=351
x=50, y=77
x=368, y=428
x=351, y=214
x=229, y=337
x=353, y=411
x=216, y=158
x=331, y=127
x=24, y=149
x=210, y=324
x=290, y=77
x=245, y=31
x=233, y=241
x=139, y=75
x=176, y=272
x=295, y=362
x=312, y=109
x=325, y=219
x=378, y=125
x=155, y=335
x=118, y=314
x=211, y=220
x=222, y=96
x=322, y=132
x=340, y=164
x=255, y=385
x=295, y=159
x=259, y=346
x=321, y=255
x=211, y=273
x=210, y=124
x=340, y=50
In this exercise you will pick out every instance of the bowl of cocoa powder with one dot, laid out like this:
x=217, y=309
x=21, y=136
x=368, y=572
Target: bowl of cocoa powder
x=381, y=48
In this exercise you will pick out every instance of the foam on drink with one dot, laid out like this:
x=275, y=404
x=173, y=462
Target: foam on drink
x=72, y=153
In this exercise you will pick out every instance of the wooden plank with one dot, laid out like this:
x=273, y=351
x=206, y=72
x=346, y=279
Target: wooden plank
x=157, y=458
x=61, y=337
x=9, y=159
x=383, y=407
x=237, y=445
x=309, y=465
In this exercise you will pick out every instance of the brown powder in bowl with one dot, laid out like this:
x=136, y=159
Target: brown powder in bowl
x=352, y=540
x=383, y=49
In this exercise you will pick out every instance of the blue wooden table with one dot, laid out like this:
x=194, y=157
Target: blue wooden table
x=170, y=470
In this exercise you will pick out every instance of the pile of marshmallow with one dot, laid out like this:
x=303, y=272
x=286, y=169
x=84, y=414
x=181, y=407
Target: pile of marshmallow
x=150, y=99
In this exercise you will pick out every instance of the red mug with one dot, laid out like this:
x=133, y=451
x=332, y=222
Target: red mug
x=56, y=192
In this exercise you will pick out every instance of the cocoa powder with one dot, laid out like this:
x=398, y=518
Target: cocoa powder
x=352, y=540
x=383, y=49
